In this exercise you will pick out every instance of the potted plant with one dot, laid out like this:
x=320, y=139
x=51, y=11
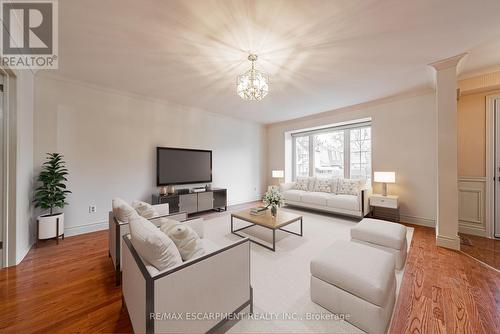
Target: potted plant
x=274, y=199
x=51, y=194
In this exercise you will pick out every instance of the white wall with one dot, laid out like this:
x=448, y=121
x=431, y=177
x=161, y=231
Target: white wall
x=109, y=139
x=24, y=172
x=404, y=140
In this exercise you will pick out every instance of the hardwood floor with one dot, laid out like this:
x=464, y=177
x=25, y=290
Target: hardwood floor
x=445, y=291
x=483, y=249
x=70, y=289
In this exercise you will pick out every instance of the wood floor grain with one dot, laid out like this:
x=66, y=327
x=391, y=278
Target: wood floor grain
x=445, y=291
x=484, y=249
x=70, y=289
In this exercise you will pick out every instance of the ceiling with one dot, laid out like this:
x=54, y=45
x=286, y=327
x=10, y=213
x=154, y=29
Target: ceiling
x=321, y=55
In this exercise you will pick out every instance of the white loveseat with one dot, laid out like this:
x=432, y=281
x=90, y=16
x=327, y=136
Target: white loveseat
x=342, y=196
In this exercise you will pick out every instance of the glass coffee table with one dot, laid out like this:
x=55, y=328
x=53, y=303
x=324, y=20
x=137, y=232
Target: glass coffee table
x=267, y=221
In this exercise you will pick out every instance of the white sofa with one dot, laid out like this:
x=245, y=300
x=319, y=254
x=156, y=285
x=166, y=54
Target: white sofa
x=196, y=296
x=329, y=201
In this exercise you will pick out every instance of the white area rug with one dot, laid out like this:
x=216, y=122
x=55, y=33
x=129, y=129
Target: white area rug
x=280, y=279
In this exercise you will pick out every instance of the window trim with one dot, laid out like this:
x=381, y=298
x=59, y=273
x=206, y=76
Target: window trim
x=347, y=146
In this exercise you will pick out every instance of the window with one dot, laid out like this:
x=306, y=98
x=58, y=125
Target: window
x=361, y=151
x=329, y=154
x=339, y=151
x=301, y=155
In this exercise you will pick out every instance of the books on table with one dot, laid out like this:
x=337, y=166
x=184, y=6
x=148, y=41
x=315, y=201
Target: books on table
x=258, y=211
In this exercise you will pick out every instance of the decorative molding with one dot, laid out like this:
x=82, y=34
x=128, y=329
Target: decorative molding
x=448, y=62
x=289, y=124
x=471, y=179
x=472, y=205
x=428, y=222
x=448, y=242
x=483, y=82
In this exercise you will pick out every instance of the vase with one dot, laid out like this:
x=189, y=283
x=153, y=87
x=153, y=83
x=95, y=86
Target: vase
x=48, y=226
x=274, y=211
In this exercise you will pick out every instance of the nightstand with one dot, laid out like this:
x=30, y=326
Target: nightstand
x=385, y=207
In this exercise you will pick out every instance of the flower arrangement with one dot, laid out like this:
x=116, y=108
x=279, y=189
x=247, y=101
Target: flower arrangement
x=274, y=199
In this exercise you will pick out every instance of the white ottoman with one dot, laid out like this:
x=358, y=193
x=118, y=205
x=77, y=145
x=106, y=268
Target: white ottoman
x=384, y=235
x=358, y=281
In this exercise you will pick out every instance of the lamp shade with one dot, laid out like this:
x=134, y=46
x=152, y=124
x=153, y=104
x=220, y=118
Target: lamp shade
x=384, y=177
x=278, y=173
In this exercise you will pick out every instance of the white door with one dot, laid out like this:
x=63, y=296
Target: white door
x=497, y=168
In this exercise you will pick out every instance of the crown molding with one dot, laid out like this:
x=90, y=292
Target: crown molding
x=141, y=97
x=448, y=62
x=356, y=107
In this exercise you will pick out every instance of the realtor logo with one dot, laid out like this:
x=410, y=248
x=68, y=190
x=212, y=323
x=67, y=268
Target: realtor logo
x=29, y=38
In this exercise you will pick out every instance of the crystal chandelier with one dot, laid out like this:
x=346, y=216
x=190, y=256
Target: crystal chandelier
x=253, y=85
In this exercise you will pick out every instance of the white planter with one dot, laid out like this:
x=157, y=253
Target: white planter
x=48, y=224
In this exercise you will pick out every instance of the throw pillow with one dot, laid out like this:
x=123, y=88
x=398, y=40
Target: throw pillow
x=302, y=183
x=152, y=245
x=144, y=209
x=312, y=182
x=122, y=210
x=349, y=186
x=323, y=185
x=185, y=238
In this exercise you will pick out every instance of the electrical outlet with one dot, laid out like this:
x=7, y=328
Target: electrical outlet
x=92, y=209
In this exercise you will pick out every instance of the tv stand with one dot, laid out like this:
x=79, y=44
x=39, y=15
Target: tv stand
x=193, y=202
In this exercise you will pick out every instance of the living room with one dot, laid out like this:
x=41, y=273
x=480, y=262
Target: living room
x=330, y=164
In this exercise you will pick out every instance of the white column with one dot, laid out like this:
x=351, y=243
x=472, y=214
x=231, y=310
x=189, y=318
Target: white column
x=447, y=152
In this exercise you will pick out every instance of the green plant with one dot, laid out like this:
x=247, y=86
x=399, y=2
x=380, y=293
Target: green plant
x=52, y=191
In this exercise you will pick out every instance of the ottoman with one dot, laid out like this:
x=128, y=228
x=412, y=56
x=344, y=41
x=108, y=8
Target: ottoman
x=384, y=235
x=358, y=281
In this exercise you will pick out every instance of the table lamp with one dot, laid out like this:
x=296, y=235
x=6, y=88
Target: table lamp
x=384, y=178
x=278, y=174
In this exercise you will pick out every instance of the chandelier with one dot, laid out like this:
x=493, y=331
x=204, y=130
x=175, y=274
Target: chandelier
x=253, y=85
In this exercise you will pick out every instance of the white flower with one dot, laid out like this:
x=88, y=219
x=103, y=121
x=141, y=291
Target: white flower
x=273, y=198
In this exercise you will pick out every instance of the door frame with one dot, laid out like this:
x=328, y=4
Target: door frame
x=4, y=221
x=490, y=164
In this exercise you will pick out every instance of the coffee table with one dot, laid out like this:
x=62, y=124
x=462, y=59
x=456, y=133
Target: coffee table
x=266, y=220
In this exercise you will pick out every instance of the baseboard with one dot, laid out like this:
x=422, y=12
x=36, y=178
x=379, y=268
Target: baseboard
x=253, y=199
x=21, y=255
x=87, y=228
x=472, y=231
x=418, y=220
x=448, y=242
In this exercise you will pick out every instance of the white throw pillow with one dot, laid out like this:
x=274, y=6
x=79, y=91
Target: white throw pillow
x=153, y=245
x=350, y=186
x=185, y=238
x=122, y=210
x=335, y=184
x=323, y=185
x=302, y=183
x=312, y=182
x=144, y=209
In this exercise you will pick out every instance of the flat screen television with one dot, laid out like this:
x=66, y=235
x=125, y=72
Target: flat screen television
x=182, y=166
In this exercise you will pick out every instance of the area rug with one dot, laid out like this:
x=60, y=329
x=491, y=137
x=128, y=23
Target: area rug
x=280, y=279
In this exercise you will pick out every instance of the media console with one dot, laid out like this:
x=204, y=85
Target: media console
x=193, y=202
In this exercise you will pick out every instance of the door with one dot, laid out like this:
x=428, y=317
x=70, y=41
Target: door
x=497, y=168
